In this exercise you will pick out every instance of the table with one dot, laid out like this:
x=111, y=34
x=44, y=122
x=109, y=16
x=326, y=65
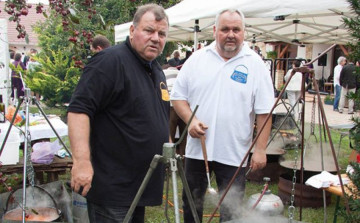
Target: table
x=338, y=192
x=53, y=170
x=42, y=129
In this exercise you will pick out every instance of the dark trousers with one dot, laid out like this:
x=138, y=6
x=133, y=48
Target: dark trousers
x=105, y=214
x=196, y=176
x=176, y=121
x=17, y=84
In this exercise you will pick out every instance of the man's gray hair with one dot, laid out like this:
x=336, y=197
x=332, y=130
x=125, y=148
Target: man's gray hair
x=158, y=11
x=217, y=18
x=341, y=59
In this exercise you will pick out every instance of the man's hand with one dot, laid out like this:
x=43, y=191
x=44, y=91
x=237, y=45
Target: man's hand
x=81, y=177
x=197, y=128
x=258, y=159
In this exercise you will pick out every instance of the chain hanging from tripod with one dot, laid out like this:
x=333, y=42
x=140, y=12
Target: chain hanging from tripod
x=30, y=169
x=312, y=124
x=291, y=208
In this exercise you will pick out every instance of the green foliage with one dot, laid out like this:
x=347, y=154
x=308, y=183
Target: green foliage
x=271, y=55
x=354, y=26
x=55, y=78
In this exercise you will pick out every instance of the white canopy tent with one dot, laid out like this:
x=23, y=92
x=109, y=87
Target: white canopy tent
x=305, y=21
x=5, y=88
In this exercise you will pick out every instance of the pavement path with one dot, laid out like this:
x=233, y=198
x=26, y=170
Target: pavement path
x=334, y=119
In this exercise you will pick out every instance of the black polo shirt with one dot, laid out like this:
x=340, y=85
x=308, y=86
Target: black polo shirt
x=127, y=102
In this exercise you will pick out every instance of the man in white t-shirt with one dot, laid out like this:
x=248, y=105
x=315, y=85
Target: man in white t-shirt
x=337, y=70
x=232, y=87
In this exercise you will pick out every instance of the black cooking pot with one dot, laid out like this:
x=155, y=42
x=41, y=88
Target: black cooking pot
x=33, y=213
x=311, y=168
x=279, y=118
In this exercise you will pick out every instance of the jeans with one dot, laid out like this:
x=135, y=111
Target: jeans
x=337, y=96
x=197, y=180
x=105, y=214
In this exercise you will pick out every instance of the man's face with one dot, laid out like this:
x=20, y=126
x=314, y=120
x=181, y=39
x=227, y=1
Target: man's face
x=149, y=37
x=176, y=55
x=342, y=63
x=229, y=34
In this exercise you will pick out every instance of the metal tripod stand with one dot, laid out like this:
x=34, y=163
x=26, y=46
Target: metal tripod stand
x=28, y=168
x=174, y=162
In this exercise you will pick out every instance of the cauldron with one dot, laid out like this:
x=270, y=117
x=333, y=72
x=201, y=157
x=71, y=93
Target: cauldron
x=311, y=168
x=262, y=219
x=33, y=213
x=278, y=118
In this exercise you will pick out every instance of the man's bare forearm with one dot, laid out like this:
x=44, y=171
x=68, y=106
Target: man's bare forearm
x=79, y=135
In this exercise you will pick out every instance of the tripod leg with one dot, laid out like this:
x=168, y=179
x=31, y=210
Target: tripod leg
x=10, y=126
x=52, y=127
x=167, y=194
x=153, y=165
x=187, y=189
x=173, y=168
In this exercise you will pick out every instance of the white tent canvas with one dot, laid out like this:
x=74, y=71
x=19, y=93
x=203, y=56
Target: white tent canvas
x=306, y=21
x=4, y=62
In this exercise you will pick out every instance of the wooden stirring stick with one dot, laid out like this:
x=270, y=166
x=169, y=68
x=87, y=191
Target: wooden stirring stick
x=203, y=146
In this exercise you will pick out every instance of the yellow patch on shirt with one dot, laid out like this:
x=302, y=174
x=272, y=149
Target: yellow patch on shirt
x=164, y=92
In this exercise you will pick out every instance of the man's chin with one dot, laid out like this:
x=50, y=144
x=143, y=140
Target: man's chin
x=230, y=48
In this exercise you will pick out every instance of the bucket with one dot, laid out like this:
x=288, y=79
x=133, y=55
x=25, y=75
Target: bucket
x=10, y=153
x=79, y=208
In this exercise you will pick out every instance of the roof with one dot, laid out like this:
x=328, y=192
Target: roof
x=320, y=21
x=28, y=21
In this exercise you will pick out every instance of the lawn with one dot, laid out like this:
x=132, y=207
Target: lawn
x=157, y=214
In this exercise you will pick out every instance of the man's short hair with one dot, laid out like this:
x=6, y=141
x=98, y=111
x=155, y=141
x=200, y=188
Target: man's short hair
x=100, y=40
x=217, y=18
x=297, y=63
x=17, y=57
x=158, y=11
x=176, y=53
x=341, y=59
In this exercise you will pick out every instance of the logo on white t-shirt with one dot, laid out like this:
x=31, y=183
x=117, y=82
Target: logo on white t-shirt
x=240, y=74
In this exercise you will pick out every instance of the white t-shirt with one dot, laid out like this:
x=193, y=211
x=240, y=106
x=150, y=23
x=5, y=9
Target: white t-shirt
x=295, y=83
x=337, y=71
x=229, y=94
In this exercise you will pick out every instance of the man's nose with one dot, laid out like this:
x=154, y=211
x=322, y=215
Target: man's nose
x=155, y=37
x=231, y=34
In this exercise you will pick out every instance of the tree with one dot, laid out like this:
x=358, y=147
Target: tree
x=55, y=78
x=354, y=203
x=65, y=36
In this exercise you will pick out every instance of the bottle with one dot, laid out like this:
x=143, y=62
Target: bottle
x=2, y=110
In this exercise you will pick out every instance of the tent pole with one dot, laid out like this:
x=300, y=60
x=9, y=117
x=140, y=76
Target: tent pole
x=196, y=30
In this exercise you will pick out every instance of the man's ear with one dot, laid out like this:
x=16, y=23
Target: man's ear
x=132, y=28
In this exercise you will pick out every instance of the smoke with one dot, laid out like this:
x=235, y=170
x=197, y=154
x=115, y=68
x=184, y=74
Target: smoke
x=314, y=157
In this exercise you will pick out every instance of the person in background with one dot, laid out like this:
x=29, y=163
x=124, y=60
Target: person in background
x=99, y=43
x=27, y=57
x=17, y=78
x=293, y=89
x=187, y=55
x=175, y=61
x=118, y=120
x=232, y=87
x=348, y=84
x=341, y=62
x=307, y=77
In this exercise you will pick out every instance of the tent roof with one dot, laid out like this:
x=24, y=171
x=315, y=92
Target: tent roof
x=318, y=21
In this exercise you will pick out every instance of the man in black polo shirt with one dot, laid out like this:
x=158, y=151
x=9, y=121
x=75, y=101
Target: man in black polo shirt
x=118, y=120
